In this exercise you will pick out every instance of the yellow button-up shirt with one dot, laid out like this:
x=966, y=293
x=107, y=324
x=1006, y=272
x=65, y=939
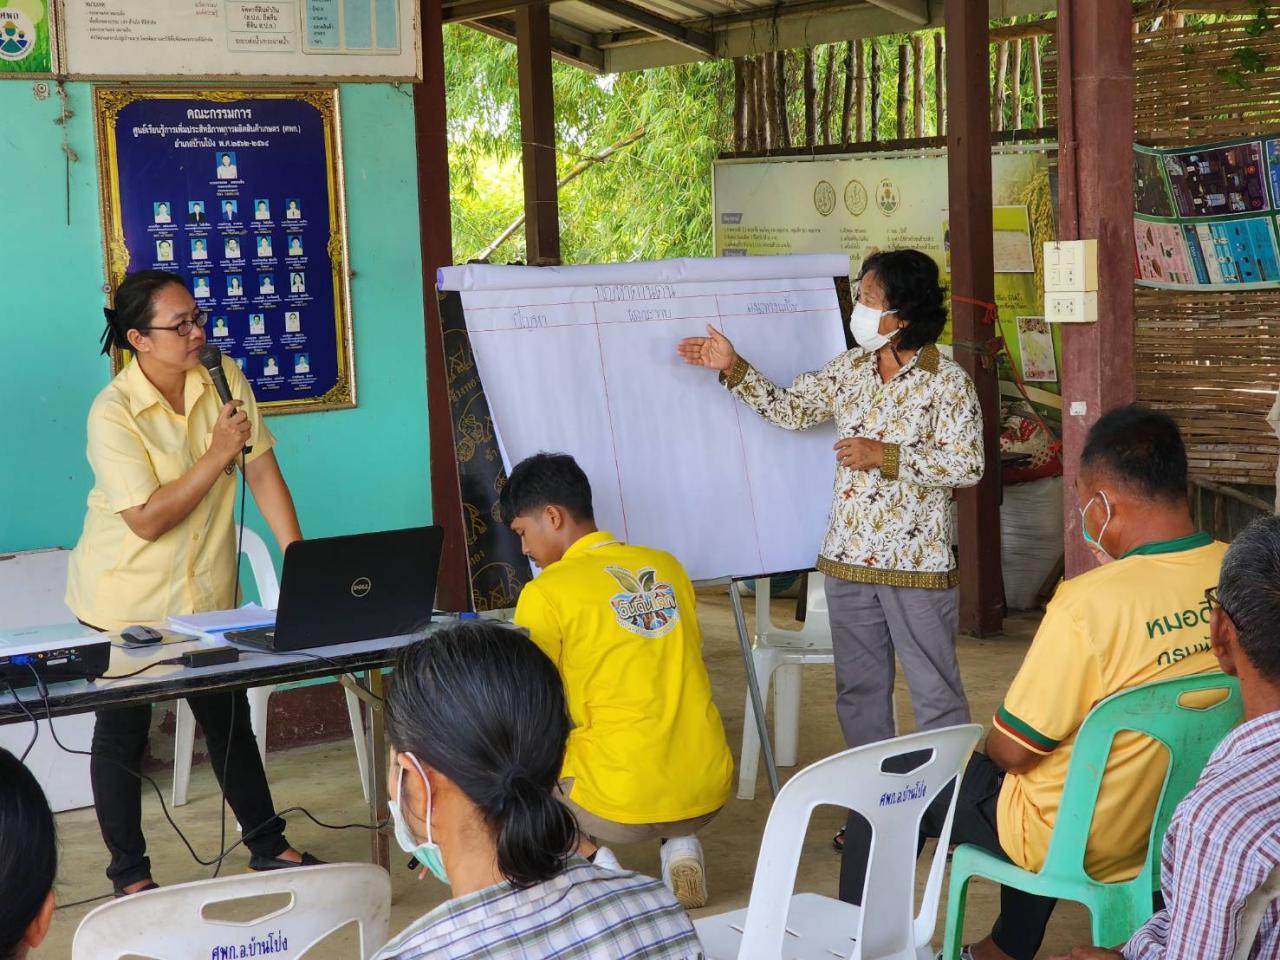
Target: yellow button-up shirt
x=138, y=443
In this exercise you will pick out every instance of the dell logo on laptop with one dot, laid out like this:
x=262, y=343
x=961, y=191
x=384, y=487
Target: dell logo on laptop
x=361, y=587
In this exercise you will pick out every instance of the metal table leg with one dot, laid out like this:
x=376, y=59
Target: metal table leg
x=376, y=738
x=753, y=687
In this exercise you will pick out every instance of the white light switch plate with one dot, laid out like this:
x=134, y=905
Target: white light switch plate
x=1071, y=265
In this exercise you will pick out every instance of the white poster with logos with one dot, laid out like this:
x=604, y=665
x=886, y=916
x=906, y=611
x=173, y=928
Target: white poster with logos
x=864, y=203
x=329, y=39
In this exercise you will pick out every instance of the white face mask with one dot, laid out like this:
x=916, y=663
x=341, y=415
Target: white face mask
x=864, y=324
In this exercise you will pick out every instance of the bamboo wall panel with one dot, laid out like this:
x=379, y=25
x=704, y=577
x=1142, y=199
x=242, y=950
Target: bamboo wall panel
x=1210, y=359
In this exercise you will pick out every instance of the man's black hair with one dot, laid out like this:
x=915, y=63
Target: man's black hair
x=1249, y=591
x=547, y=479
x=1142, y=448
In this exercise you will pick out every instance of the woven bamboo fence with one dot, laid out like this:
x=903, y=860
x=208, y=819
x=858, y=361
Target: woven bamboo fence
x=1210, y=359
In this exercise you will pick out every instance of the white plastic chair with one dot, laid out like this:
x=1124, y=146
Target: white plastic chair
x=184, y=733
x=810, y=926
x=1256, y=906
x=170, y=923
x=779, y=654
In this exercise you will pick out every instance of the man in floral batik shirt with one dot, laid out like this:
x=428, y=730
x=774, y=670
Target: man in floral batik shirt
x=910, y=432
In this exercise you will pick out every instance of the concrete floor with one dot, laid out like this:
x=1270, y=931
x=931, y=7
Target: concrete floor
x=323, y=779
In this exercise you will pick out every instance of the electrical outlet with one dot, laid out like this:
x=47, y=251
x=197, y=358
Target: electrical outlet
x=1071, y=265
x=1072, y=306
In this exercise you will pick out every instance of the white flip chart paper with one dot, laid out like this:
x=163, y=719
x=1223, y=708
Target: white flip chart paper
x=582, y=360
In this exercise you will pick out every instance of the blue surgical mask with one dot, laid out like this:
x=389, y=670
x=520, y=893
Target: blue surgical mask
x=1096, y=544
x=428, y=853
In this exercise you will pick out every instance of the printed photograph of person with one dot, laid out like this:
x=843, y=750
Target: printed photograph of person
x=295, y=246
x=227, y=166
x=160, y=212
x=257, y=324
x=220, y=330
x=199, y=249
x=271, y=369
x=201, y=287
x=261, y=210
x=292, y=321
x=266, y=284
x=297, y=283
x=240, y=362
x=293, y=210
x=229, y=209
x=302, y=363
x=234, y=287
x=264, y=246
x=164, y=251
x=195, y=211
x=231, y=248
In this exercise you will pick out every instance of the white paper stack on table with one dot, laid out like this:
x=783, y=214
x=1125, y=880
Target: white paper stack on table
x=215, y=623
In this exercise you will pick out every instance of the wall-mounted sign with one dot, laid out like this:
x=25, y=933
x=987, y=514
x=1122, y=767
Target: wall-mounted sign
x=28, y=38
x=325, y=39
x=239, y=193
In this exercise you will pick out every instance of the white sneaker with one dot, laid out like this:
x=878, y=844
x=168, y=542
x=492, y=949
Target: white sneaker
x=605, y=859
x=684, y=872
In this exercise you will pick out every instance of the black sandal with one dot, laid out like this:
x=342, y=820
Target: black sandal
x=276, y=863
x=149, y=885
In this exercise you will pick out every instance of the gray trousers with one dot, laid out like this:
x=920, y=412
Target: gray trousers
x=869, y=624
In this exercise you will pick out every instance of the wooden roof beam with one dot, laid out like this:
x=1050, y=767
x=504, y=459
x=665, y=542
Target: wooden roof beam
x=566, y=42
x=914, y=11
x=698, y=41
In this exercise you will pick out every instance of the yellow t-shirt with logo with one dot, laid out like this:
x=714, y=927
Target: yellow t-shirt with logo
x=620, y=623
x=1142, y=618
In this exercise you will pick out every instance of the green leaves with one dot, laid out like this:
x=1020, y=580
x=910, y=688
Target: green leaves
x=627, y=580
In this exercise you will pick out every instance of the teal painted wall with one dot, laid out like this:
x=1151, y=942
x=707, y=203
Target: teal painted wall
x=349, y=470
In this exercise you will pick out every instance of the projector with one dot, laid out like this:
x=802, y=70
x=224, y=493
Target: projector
x=62, y=652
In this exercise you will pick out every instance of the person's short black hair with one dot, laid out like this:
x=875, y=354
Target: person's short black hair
x=1142, y=448
x=911, y=286
x=28, y=851
x=1249, y=592
x=547, y=479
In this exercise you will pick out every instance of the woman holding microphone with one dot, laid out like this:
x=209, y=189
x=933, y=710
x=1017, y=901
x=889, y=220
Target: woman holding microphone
x=910, y=431
x=159, y=540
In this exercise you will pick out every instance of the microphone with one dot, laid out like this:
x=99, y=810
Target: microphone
x=211, y=357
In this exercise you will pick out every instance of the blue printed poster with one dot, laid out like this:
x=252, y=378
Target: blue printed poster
x=240, y=195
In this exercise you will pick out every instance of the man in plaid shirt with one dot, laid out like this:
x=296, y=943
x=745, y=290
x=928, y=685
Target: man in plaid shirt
x=1224, y=840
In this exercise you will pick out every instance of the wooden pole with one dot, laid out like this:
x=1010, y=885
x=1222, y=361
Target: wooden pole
x=998, y=101
x=1095, y=103
x=939, y=85
x=432, y=147
x=768, y=102
x=538, y=134
x=829, y=93
x=739, y=106
x=1037, y=82
x=875, y=91
x=810, y=95
x=1015, y=85
x=860, y=94
x=780, y=97
x=902, y=90
x=851, y=50
x=917, y=83
x=973, y=277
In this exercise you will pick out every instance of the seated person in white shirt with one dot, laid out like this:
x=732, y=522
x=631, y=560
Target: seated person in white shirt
x=477, y=719
x=1224, y=839
x=28, y=860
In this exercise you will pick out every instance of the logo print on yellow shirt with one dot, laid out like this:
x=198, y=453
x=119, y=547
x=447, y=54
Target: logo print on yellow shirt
x=645, y=607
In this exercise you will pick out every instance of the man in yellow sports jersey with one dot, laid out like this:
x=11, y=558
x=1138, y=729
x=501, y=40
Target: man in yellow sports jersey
x=647, y=757
x=1139, y=617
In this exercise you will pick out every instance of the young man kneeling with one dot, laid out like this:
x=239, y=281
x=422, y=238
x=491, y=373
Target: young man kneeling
x=647, y=757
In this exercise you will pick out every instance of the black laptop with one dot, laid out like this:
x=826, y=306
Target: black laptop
x=347, y=589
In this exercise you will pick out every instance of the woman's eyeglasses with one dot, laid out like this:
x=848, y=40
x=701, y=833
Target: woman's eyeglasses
x=199, y=319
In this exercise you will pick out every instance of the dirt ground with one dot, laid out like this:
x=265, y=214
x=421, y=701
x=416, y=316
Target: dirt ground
x=323, y=779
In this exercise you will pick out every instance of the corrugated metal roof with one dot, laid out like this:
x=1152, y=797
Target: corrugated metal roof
x=612, y=36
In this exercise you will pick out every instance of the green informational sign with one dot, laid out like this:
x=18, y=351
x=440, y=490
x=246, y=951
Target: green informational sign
x=25, y=45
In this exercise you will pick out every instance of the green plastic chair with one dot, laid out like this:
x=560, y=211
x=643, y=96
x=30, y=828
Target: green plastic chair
x=1116, y=909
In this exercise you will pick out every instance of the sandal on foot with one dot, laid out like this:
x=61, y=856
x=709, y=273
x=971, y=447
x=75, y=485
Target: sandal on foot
x=837, y=842
x=277, y=863
x=149, y=885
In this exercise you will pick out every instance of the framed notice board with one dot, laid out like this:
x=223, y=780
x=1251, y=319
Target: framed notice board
x=240, y=193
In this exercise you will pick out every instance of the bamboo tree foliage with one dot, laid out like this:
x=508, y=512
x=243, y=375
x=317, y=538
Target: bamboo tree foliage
x=653, y=198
